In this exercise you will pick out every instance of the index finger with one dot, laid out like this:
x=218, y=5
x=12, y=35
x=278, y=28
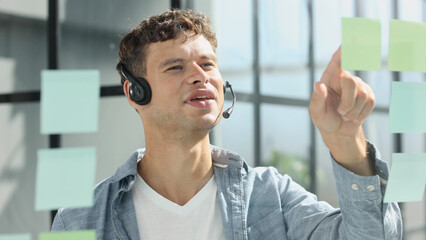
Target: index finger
x=334, y=67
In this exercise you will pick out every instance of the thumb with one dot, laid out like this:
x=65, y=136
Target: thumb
x=317, y=106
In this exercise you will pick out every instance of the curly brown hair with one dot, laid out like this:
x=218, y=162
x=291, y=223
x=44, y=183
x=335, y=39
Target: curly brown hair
x=169, y=25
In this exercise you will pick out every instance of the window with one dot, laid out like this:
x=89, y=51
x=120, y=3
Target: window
x=271, y=51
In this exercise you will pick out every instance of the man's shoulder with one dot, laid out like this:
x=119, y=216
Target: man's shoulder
x=266, y=174
x=86, y=217
x=225, y=158
x=103, y=196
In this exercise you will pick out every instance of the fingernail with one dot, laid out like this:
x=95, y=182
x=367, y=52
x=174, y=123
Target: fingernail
x=345, y=118
x=341, y=112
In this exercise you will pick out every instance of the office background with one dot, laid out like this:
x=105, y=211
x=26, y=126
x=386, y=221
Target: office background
x=270, y=50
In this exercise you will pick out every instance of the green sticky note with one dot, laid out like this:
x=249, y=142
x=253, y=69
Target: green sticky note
x=407, y=107
x=407, y=48
x=25, y=236
x=69, y=101
x=65, y=178
x=407, y=178
x=75, y=235
x=361, y=44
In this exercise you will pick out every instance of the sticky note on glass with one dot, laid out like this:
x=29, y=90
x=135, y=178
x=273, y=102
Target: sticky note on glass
x=76, y=235
x=361, y=44
x=69, y=101
x=407, y=48
x=25, y=236
x=407, y=178
x=407, y=107
x=65, y=178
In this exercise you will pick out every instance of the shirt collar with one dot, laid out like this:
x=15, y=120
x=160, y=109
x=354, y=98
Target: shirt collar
x=221, y=158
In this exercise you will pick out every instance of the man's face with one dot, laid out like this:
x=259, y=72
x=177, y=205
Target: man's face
x=187, y=88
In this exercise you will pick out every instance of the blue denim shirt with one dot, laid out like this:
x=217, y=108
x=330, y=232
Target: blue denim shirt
x=256, y=203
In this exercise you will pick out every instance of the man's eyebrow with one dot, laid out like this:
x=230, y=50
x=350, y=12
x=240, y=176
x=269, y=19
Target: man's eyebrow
x=170, y=61
x=209, y=57
x=180, y=60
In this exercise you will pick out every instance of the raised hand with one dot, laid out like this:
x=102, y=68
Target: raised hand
x=339, y=105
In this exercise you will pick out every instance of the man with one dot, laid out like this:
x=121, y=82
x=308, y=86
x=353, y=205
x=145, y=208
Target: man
x=181, y=187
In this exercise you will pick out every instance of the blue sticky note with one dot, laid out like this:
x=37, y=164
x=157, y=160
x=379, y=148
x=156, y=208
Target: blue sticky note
x=71, y=235
x=407, y=108
x=69, y=101
x=407, y=47
x=407, y=178
x=24, y=236
x=65, y=178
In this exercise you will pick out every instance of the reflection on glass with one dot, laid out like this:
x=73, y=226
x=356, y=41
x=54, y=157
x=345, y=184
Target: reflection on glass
x=327, y=26
x=285, y=140
x=326, y=183
x=283, y=27
x=91, y=31
x=23, y=49
x=293, y=83
x=376, y=128
x=236, y=133
x=234, y=33
x=21, y=138
x=380, y=83
x=414, y=220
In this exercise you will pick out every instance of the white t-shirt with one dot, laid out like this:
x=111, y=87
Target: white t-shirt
x=160, y=218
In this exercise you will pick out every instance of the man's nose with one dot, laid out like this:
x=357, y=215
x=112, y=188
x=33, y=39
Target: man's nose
x=198, y=75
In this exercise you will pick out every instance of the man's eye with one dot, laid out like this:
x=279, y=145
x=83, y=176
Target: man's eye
x=208, y=65
x=177, y=67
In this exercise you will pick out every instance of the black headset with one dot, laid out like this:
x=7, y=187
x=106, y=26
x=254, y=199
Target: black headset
x=140, y=91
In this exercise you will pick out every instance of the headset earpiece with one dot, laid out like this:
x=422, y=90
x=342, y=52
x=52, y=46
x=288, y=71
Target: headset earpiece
x=139, y=91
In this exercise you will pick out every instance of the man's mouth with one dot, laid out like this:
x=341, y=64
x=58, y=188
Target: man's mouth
x=201, y=98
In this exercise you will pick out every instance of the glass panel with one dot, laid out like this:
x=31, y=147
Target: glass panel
x=381, y=10
x=292, y=83
x=91, y=31
x=411, y=10
x=20, y=131
x=283, y=36
x=412, y=76
x=120, y=134
x=414, y=219
x=284, y=43
x=33, y=9
x=241, y=81
x=414, y=212
x=234, y=33
x=376, y=128
x=285, y=140
x=380, y=83
x=236, y=133
x=327, y=27
x=326, y=183
x=23, y=48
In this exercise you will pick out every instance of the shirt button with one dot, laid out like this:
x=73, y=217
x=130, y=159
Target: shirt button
x=370, y=188
x=355, y=186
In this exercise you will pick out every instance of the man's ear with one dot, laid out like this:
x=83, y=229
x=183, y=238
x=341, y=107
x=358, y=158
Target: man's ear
x=126, y=87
